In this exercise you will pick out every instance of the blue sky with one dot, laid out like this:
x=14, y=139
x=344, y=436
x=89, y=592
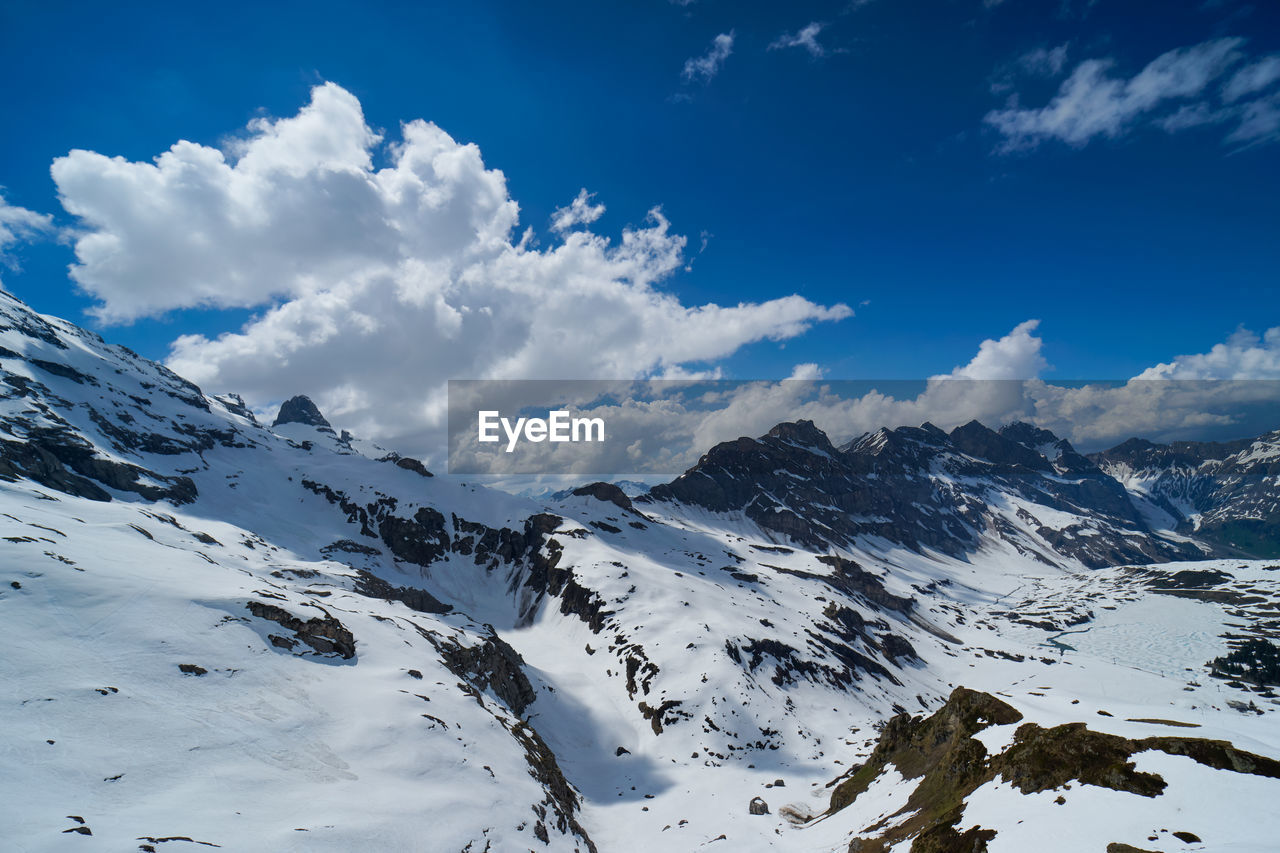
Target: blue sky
x=867, y=167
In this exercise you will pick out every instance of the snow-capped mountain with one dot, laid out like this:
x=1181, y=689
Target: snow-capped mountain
x=1224, y=493
x=923, y=489
x=285, y=638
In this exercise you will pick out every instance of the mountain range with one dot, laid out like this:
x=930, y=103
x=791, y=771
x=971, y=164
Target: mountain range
x=283, y=637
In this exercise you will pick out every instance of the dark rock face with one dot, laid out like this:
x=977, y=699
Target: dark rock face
x=412, y=597
x=605, y=492
x=851, y=579
x=62, y=460
x=325, y=634
x=428, y=536
x=981, y=443
x=24, y=459
x=943, y=741
x=300, y=410
x=897, y=648
x=346, y=546
x=410, y=464
x=757, y=806
x=923, y=489
x=561, y=801
x=88, y=408
x=420, y=540
x=493, y=665
x=843, y=637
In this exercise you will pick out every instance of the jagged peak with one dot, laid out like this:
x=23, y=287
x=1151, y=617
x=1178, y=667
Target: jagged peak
x=926, y=434
x=929, y=429
x=802, y=432
x=300, y=410
x=973, y=427
x=982, y=442
x=1141, y=452
x=885, y=440
x=1029, y=435
x=1131, y=448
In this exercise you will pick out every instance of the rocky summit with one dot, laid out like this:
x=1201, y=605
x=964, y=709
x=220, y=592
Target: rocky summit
x=300, y=410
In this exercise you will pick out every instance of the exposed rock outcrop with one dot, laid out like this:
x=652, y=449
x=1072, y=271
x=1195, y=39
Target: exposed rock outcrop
x=412, y=597
x=324, y=633
x=492, y=665
x=947, y=763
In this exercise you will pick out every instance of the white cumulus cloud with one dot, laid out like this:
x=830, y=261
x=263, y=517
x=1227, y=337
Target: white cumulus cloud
x=375, y=285
x=1244, y=355
x=1014, y=356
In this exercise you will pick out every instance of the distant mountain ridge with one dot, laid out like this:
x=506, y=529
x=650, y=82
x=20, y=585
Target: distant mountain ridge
x=1226, y=494
x=923, y=488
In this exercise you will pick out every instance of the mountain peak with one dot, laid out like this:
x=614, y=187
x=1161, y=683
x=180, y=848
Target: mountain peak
x=929, y=429
x=802, y=432
x=300, y=410
x=982, y=442
x=1029, y=435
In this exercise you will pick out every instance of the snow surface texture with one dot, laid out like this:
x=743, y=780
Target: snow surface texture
x=278, y=639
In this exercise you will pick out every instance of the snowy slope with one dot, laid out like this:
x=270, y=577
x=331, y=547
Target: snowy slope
x=258, y=746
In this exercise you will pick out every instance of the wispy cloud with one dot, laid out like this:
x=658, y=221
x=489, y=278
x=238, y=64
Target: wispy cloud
x=1174, y=91
x=1252, y=78
x=1040, y=62
x=18, y=224
x=1259, y=122
x=579, y=212
x=1044, y=61
x=806, y=37
x=704, y=68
